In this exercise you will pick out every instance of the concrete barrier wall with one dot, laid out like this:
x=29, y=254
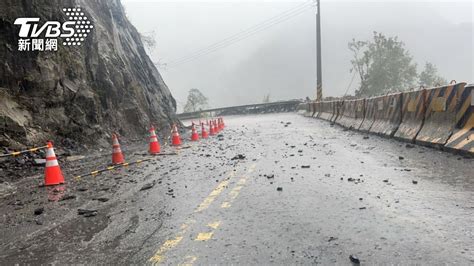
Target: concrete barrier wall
x=352, y=114
x=359, y=114
x=462, y=138
x=326, y=111
x=413, y=115
x=337, y=109
x=440, y=115
x=313, y=108
x=388, y=114
x=320, y=108
x=309, y=107
x=369, y=117
x=345, y=113
x=302, y=108
x=333, y=110
x=316, y=108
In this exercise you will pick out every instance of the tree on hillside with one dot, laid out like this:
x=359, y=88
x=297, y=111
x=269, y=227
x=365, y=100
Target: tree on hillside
x=196, y=101
x=429, y=77
x=383, y=65
x=360, y=62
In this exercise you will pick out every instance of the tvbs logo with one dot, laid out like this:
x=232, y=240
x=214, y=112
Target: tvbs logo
x=36, y=37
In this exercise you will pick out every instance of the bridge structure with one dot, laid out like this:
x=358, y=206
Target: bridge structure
x=258, y=108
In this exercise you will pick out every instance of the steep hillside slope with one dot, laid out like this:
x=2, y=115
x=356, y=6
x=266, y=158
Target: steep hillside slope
x=78, y=93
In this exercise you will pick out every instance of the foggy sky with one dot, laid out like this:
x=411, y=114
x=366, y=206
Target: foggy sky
x=281, y=59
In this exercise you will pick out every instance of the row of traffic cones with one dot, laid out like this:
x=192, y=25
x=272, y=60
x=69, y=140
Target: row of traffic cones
x=54, y=176
x=117, y=155
x=215, y=126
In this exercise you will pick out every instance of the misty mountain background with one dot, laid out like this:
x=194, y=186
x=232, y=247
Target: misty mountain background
x=280, y=60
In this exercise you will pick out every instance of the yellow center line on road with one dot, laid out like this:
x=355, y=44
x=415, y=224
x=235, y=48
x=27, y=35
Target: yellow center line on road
x=204, y=236
x=173, y=242
x=252, y=168
x=232, y=196
x=213, y=195
x=188, y=261
x=208, y=235
x=234, y=193
x=225, y=204
x=214, y=225
x=170, y=243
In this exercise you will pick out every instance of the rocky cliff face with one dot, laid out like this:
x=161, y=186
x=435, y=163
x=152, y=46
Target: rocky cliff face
x=79, y=93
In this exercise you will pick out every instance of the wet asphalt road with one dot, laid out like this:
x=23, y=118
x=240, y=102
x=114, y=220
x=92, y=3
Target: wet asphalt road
x=303, y=192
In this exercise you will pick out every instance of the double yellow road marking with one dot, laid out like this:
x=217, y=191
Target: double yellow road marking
x=214, y=225
x=170, y=243
x=234, y=193
x=203, y=236
x=216, y=192
x=189, y=260
x=236, y=190
x=208, y=235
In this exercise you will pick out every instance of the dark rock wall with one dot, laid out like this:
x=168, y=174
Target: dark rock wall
x=82, y=93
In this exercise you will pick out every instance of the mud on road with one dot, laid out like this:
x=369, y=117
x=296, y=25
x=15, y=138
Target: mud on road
x=272, y=189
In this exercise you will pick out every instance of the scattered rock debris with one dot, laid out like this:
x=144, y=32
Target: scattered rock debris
x=103, y=199
x=147, y=186
x=39, y=162
x=86, y=213
x=39, y=211
x=238, y=157
x=68, y=197
x=354, y=259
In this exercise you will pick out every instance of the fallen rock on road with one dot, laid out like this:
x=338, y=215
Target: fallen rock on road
x=86, y=213
x=147, y=186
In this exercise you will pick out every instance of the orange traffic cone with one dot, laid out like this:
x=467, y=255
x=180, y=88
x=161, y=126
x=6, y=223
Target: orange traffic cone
x=194, y=134
x=222, y=123
x=212, y=129
x=117, y=156
x=52, y=172
x=175, y=140
x=216, y=126
x=154, y=144
x=204, y=134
